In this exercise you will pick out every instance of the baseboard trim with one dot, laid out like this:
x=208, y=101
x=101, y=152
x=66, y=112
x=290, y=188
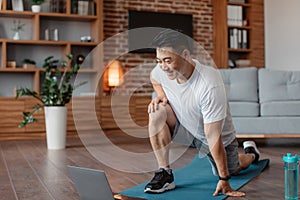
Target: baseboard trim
x=242, y=136
x=29, y=136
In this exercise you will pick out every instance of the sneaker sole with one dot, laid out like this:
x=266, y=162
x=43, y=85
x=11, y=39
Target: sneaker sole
x=250, y=146
x=167, y=186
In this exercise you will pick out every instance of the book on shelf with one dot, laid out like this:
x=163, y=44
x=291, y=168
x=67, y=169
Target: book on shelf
x=17, y=5
x=92, y=8
x=74, y=6
x=237, y=1
x=245, y=39
x=233, y=38
x=234, y=15
x=238, y=38
x=230, y=39
x=83, y=7
x=58, y=6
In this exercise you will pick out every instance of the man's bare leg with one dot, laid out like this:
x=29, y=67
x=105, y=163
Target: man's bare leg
x=246, y=160
x=161, y=123
x=251, y=155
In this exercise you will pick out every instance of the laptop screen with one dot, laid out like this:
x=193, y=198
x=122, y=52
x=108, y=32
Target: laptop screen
x=91, y=184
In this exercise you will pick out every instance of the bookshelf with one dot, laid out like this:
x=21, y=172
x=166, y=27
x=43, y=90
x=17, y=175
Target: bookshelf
x=36, y=45
x=238, y=32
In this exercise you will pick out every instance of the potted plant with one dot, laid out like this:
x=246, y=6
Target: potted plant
x=28, y=63
x=56, y=92
x=17, y=27
x=36, y=6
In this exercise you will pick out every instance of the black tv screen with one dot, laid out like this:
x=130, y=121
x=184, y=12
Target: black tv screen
x=140, y=19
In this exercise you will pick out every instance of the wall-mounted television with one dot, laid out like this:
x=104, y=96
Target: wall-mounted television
x=139, y=19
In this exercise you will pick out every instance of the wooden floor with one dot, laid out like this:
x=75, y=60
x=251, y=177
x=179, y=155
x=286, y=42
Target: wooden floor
x=29, y=171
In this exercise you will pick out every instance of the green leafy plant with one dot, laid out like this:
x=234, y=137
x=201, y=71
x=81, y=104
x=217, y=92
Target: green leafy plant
x=29, y=61
x=57, y=87
x=37, y=2
x=18, y=26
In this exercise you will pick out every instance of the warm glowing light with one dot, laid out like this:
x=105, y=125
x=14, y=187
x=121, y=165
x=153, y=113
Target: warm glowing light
x=115, y=74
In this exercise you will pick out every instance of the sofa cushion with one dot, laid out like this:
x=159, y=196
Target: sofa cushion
x=241, y=84
x=280, y=108
x=266, y=125
x=244, y=109
x=276, y=85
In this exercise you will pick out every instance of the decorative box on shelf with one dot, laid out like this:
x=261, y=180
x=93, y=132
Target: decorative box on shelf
x=11, y=64
x=243, y=63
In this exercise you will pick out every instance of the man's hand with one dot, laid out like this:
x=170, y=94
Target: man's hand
x=154, y=103
x=224, y=187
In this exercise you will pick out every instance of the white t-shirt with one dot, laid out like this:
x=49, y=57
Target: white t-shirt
x=201, y=99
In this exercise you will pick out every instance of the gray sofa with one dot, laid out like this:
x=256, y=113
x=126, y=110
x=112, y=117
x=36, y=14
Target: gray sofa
x=263, y=102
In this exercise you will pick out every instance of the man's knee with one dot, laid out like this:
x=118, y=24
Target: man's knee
x=159, y=116
x=157, y=120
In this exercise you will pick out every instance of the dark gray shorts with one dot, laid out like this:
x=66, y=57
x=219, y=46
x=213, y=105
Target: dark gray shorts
x=183, y=136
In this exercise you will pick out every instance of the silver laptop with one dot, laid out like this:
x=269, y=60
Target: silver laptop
x=91, y=184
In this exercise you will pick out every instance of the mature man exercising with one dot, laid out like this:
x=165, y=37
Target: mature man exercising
x=191, y=100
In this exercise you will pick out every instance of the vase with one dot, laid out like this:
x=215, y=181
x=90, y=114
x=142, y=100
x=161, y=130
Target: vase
x=56, y=126
x=16, y=35
x=35, y=8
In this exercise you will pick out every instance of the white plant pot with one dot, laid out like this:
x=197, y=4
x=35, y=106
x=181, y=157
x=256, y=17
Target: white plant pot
x=16, y=35
x=36, y=8
x=56, y=125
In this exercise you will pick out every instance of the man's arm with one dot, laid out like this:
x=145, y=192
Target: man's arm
x=160, y=96
x=157, y=88
x=213, y=133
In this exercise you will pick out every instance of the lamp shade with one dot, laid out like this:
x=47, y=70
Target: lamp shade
x=115, y=74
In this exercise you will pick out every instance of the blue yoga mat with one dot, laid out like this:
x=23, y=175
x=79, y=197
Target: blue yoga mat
x=196, y=180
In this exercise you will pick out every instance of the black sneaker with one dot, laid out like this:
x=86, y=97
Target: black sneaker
x=163, y=180
x=250, y=147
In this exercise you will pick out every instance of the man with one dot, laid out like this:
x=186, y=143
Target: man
x=191, y=100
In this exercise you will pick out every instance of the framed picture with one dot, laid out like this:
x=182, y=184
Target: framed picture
x=17, y=5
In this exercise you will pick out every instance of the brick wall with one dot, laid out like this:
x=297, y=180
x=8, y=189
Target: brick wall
x=139, y=66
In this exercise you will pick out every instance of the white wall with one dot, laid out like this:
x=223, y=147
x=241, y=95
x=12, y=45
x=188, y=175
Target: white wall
x=282, y=34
